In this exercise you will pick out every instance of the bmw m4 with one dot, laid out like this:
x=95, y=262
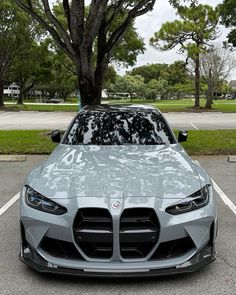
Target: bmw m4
x=119, y=196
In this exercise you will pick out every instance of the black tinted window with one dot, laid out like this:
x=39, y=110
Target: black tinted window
x=117, y=128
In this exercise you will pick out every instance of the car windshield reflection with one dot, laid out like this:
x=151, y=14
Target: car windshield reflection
x=118, y=128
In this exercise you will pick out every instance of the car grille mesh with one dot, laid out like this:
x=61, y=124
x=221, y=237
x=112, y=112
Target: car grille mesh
x=139, y=232
x=93, y=232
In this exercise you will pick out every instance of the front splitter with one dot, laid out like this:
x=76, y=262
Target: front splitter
x=199, y=260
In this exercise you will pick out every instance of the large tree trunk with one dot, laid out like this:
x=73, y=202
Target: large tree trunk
x=90, y=80
x=1, y=92
x=197, y=81
x=98, y=94
x=90, y=93
x=91, y=87
x=86, y=92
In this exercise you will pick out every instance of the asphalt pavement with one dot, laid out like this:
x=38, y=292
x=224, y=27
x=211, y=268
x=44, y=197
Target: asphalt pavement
x=60, y=120
x=216, y=279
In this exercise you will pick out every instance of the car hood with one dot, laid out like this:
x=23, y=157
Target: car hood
x=116, y=171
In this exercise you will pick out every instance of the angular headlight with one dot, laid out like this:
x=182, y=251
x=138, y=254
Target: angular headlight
x=37, y=201
x=193, y=202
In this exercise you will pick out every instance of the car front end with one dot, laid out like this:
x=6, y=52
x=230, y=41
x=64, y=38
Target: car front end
x=142, y=211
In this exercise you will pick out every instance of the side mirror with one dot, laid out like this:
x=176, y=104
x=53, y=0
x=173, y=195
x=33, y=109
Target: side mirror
x=56, y=136
x=183, y=136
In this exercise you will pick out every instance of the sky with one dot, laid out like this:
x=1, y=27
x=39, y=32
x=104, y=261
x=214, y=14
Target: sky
x=150, y=23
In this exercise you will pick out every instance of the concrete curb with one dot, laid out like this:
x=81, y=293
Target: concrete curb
x=232, y=159
x=12, y=158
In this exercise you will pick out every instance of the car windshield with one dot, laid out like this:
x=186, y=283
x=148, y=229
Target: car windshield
x=118, y=128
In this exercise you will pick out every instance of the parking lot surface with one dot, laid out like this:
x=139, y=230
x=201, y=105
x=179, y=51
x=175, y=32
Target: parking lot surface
x=60, y=120
x=217, y=278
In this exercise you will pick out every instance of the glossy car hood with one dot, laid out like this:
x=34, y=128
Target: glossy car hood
x=116, y=172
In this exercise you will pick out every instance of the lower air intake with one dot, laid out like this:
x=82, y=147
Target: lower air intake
x=60, y=249
x=173, y=249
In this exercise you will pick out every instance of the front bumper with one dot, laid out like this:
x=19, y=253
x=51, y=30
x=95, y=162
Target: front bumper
x=200, y=259
x=199, y=226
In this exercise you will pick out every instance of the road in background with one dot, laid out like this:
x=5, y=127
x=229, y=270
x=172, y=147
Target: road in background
x=34, y=120
x=60, y=120
x=218, y=278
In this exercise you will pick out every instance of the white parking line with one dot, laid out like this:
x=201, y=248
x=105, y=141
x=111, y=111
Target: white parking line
x=9, y=204
x=194, y=126
x=224, y=198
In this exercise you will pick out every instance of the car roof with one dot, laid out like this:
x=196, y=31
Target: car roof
x=121, y=108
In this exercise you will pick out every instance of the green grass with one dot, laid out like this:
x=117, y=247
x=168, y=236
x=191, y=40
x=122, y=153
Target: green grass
x=25, y=142
x=42, y=108
x=200, y=142
x=211, y=142
x=184, y=105
x=225, y=107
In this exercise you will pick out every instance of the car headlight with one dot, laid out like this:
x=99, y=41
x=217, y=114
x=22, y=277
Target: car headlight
x=37, y=201
x=193, y=202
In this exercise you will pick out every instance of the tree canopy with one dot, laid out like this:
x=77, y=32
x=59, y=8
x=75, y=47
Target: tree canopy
x=133, y=85
x=91, y=37
x=173, y=79
x=228, y=14
x=156, y=89
x=149, y=72
x=15, y=31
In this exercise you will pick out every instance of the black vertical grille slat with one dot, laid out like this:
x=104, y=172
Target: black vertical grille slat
x=139, y=232
x=93, y=232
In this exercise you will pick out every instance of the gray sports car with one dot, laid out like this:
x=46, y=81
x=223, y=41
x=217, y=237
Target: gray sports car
x=119, y=196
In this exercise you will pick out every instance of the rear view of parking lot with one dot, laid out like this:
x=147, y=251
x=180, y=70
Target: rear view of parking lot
x=217, y=278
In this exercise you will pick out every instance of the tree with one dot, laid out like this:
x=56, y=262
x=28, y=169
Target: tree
x=30, y=66
x=175, y=73
x=149, y=72
x=91, y=37
x=14, y=29
x=130, y=46
x=110, y=80
x=156, y=88
x=228, y=13
x=216, y=66
x=181, y=90
x=192, y=33
x=179, y=80
x=62, y=79
x=129, y=84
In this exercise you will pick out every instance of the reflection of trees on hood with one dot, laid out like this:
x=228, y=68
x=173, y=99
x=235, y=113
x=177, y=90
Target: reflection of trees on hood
x=116, y=128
